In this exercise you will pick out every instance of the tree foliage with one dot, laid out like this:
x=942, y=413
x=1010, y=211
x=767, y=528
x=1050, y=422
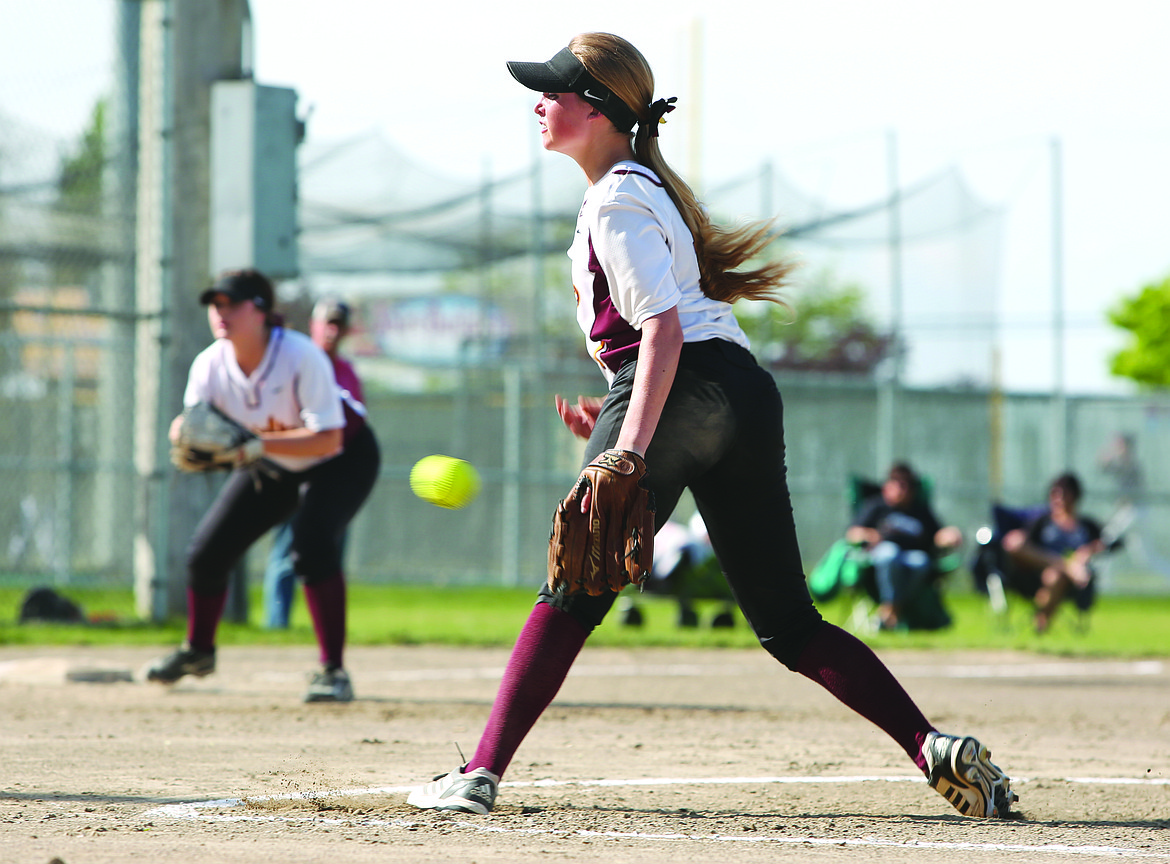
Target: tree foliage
x=825, y=328
x=1146, y=316
x=80, y=182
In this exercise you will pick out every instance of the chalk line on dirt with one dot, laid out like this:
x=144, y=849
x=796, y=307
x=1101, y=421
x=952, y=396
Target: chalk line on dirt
x=1056, y=669
x=201, y=810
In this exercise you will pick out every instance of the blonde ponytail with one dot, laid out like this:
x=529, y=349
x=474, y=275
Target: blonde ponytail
x=721, y=251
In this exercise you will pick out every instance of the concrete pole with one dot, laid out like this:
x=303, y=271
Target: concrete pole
x=185, y=46
x=116, y=377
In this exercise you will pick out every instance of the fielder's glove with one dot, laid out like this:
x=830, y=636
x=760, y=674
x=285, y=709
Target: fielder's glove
x=210, y=440
x=612, y=543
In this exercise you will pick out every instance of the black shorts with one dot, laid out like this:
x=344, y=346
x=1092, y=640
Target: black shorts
x=320, y=502
x=721, y=435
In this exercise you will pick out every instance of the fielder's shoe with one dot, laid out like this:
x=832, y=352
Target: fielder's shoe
x=330, y=685
x=473, y=792
x=962, y=771
x=184, y=661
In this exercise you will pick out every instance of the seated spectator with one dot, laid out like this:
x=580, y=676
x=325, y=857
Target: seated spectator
x=903, y=537
x=1051, y=557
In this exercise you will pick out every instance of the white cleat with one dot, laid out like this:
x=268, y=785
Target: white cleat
x=473, y=792
x=961, y=770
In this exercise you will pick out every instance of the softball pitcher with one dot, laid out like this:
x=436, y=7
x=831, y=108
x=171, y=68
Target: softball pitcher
x=687, y=407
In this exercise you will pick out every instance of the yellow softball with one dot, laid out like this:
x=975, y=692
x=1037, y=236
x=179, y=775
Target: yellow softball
x=444, y=481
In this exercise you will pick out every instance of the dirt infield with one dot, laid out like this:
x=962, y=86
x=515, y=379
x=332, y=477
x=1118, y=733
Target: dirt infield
x=646, y=756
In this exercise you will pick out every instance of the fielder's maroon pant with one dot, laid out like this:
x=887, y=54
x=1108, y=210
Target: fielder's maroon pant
x=321, y=502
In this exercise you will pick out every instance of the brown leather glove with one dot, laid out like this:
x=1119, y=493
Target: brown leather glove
x=611, y=544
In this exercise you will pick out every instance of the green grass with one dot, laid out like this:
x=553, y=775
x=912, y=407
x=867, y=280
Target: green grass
x=483, y=616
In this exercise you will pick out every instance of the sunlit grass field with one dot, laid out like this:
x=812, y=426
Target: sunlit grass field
x=486, y=616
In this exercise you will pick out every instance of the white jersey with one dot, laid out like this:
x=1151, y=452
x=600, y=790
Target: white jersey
x=292, y=387
x=633, y=257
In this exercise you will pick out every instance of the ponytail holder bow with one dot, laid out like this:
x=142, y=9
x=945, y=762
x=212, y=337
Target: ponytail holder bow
x=658, y=112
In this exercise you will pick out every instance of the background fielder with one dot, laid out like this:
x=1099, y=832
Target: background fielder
x=278, y=383
x=328, y=326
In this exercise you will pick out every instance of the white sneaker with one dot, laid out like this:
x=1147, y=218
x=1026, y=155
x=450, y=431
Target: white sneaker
x=473, y=792
x=330, y=685
x=961, y=770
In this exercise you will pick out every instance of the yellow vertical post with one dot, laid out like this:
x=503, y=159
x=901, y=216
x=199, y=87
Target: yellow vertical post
x=695, y=109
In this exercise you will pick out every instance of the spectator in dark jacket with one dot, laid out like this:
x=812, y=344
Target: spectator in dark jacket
x=1051, y=555
x=902, y=535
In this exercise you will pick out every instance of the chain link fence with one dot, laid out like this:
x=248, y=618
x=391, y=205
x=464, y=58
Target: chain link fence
x=67, y=480
x=69, y=367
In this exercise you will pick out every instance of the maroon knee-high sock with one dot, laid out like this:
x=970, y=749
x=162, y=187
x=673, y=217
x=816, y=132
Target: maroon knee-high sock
x=203, y=614
x=547, y=645
x=326, y=602
x=847, y=668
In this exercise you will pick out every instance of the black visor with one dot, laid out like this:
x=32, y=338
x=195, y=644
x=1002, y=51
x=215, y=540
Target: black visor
x=242, y=285
x=564, y=73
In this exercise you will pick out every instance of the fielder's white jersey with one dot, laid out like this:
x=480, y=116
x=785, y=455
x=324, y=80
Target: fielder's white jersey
x=633, y=257
x=292, y=387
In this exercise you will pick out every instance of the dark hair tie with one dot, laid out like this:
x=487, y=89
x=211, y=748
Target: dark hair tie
x=657, y=113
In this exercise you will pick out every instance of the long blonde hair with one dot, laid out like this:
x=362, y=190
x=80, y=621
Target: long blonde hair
x=621, y=67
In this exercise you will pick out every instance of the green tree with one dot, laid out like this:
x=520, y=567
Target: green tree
x=79, y=203
x=1146, y=317
x=79, y=185
x=823, y=328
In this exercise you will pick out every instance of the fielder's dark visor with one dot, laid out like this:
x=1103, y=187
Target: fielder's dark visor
x=242, y=285
x=564, y=73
